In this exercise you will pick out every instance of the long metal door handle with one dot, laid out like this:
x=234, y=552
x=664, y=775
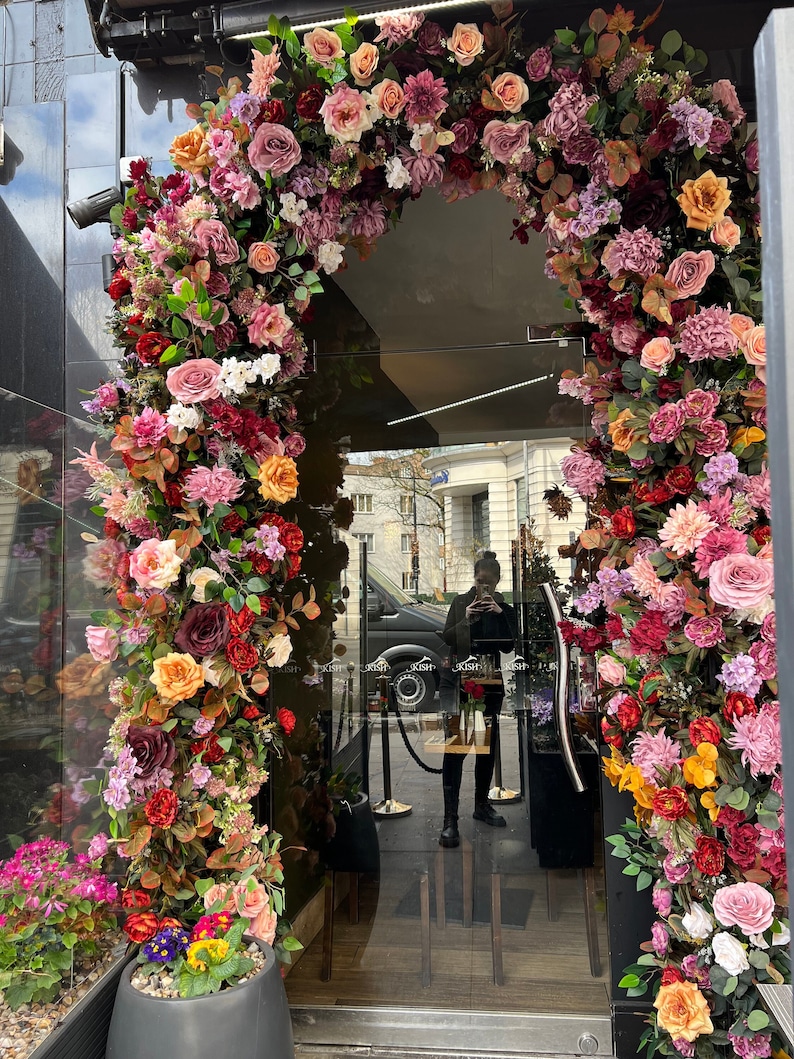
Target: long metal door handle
x=562, y=718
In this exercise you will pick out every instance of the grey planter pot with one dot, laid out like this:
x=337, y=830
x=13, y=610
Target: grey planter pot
x=354, y=846
x=249, y=1021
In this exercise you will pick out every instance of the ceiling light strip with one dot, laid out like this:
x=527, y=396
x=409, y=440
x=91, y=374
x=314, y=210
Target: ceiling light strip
x=469, y=400
x=369, y=16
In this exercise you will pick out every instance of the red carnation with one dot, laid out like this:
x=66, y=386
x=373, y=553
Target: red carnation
x=704, y=730
x=250, y=712
x=240, y=622
x=681, y=480
x=462, y=167
x=240, y=655
x=709, y=855
x=151, y=346
x=309, y=102
x=119, y=286
x=590, y=640
x=737, y=704
x=567, y=629
x=649, y=634
x=162, y=807
x=141, y=926
x=135, y=899
x=624, y=525
x=291, y=536
x=629, y=713
x=671, y=975
x=671, y=803
x=286, y=718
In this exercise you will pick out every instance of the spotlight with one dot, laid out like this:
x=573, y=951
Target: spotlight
x=94, y=209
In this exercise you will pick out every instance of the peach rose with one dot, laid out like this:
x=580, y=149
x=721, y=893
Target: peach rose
x=324, y=46
x=262, y=257
x=364, y=64
x=623, y=437
x=753, y=344
x=656, y=354
x=726, y=234
x=511, y=90
x=683, y=1011
x=689, y=272
x=191, y=151
x=279, y=478
x=155, y=564
x=741, y=324
x=264, y=926
x=177, y=676
x=251, y=902
x=466, y=43
x=389, y=97
x=704, y=201
x=223, y=893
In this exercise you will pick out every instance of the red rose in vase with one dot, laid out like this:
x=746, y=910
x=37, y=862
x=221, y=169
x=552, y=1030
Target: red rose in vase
x=162, y=807
x=671, y=803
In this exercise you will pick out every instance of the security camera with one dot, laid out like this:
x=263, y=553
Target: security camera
x=94, y=208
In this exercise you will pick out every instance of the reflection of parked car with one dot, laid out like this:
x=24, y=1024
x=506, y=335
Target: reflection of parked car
x=405, y=633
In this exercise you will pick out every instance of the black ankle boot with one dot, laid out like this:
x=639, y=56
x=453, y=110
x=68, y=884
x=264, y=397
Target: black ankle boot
x=485, y=812
x=450, y=836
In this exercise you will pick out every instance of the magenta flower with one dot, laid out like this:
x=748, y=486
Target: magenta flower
x=425, y=97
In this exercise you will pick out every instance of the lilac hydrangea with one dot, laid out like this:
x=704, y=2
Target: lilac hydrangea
x=741, y=674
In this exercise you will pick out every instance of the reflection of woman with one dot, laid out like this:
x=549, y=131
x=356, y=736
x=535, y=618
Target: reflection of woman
x=479, y=623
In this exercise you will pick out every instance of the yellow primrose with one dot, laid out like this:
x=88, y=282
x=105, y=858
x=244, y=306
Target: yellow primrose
x=701, y=769
x=708, y=802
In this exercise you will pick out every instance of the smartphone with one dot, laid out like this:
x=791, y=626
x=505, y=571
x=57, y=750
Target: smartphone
x=479, y=591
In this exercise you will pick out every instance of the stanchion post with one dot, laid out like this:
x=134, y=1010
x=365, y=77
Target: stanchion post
x=389, y=807
x=498, y=793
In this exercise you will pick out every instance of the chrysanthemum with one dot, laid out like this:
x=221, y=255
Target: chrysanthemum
x=685, y=528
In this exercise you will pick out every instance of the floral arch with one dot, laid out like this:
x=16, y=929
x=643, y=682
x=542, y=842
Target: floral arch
x=644, y=183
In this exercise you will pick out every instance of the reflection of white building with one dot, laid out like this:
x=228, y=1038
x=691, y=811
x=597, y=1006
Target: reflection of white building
x=488, y=491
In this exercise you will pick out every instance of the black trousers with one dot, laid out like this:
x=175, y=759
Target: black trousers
x=452, y=764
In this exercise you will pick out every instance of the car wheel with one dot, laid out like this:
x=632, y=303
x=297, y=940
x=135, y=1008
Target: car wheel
x=414, y=690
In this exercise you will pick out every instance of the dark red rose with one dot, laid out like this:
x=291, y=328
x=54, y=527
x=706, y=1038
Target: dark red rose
x=112, y=528
x=227, y=419
x=656, y=494
x=709, y=855
x=461, y=166
x=241, y=656
x=649, y=634
x=162, y=807
x=286, y=718
x=609, y=736
x=648, y=206
x=119, y=286
x=232, y=522
x=213, y=751
x=671, y=803
x=139, y=169
x=704, y=730
x=431, y=39
x=291, y=536
x=762, y=535
x=672, y=974
x=204, y=630
x=273, y=111
x=624, y=525
x=668, y=389
x=250, y=712
x=737, y=704
x=152, y=748
x=681, y=480
x=743, y=846
x=151, y=346
x=309, y=102
x=663, y=136
x=271, y=519
x=141, y=926
x=479, y=114
x=652, y=696
x=242, y=622
x=629, y=713
x=173, y=494
x=135, y=899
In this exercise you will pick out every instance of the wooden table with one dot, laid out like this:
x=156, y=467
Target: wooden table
x=460, y=741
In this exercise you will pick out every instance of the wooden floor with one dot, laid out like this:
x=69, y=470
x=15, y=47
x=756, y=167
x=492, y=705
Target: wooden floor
x=378, y=960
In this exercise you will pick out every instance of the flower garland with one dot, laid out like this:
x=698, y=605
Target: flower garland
x=644, y=184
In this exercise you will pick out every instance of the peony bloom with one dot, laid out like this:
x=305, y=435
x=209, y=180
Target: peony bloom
x=155, y=564
x=177, y=677
x=213, y=485
x=685, y=528
x=683, y=1011
x=269, y=325
x=745, y=905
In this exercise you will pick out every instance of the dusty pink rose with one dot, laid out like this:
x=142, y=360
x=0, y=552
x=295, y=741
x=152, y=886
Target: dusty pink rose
x=389, y=97
x=726, y=234
x=194, y=381
x=364, y=64
x=345, y=114
x=250, y=903
x=269, y=325
x=264, y=926
x=511, y=90
x=214, y=235
x=611, y=671
x=274, y=150
x=223, y=893
x=155, y=564
x=753, y=345
x=465, y=43
x=689, y=272
x=656, y=354
x=323, y=46
x=740, y=580
x=103, y=643
x=745, y=905
x=723, y=92
x=506, y=139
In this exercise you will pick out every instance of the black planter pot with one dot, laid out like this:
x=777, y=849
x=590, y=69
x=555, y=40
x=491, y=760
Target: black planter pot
x=248, y=1021
x=354, y=846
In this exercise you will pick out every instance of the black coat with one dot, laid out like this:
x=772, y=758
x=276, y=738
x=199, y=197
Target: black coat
x=490, y=634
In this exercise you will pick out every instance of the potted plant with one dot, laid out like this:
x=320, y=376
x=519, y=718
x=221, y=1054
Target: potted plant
x=352, y=838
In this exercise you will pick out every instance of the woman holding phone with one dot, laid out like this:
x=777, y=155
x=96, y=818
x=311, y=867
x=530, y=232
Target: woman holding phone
x=479, y=623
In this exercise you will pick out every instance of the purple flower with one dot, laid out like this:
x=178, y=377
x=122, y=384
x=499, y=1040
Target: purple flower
x=694, y=123
x=708, y=336
x=583, y=473
x=720, y=470
x=741, y=674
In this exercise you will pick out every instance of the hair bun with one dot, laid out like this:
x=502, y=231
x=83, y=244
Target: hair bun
x=489, y=555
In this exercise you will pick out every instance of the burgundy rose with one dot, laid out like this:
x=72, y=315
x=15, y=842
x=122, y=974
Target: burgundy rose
x=232, y=522
x=660, y=493
x=294, y=445
x=173, y=494
x=647, y=206
x=262, y=565
x=479, y=114
x=162, y=807
x=729, y=818
x=241, y=656
x=465, y=132
x=204, y=630
x=309, y=102
x=431, y=39
x=152, y=747
x=709, y=855
x=151, y=346
x=461, y=166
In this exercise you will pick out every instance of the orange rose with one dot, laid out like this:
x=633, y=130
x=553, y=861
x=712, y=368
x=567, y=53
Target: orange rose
x=741, y=324
x=683, y=1011
x=324, y=46
x=177, y=676
x=511, y=91
x=279, y=478
x=262, y=257
x=390, y=97
x=466, y=43
x=191, y=152
x=726, y=234
x=623, y=437
x=364, y=64
x=83, y=678
x=704, y=201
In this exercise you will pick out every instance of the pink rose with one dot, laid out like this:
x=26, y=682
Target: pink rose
x=611, y=671
x=724, y=93
x=222, y=893
x=656, y=354
x=262, y=257
x=324, y=47
x=345, y=114
x=753, y=344
x=155, y=564
x=250, y=903
x=389, y=97
x=273, y=149
x=740, y=580
x=511, y=90
x=364, y=64
x=745, y=905
x=214, y=235
x=103, y=643
x=505, y=139
x=689, y=272
x=269, y=325
x=194, y=381
x=726, y=234
x=264, y=926
x=466, y=43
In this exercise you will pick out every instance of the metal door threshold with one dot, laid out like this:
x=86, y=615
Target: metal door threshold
x=381, y=1032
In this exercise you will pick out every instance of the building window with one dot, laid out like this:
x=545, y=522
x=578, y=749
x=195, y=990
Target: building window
x=406, y=504
x=362, y=503
x=405, y=543
x=366, y=538
x=441, y=539
x=481, y=529
x=407, y=585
